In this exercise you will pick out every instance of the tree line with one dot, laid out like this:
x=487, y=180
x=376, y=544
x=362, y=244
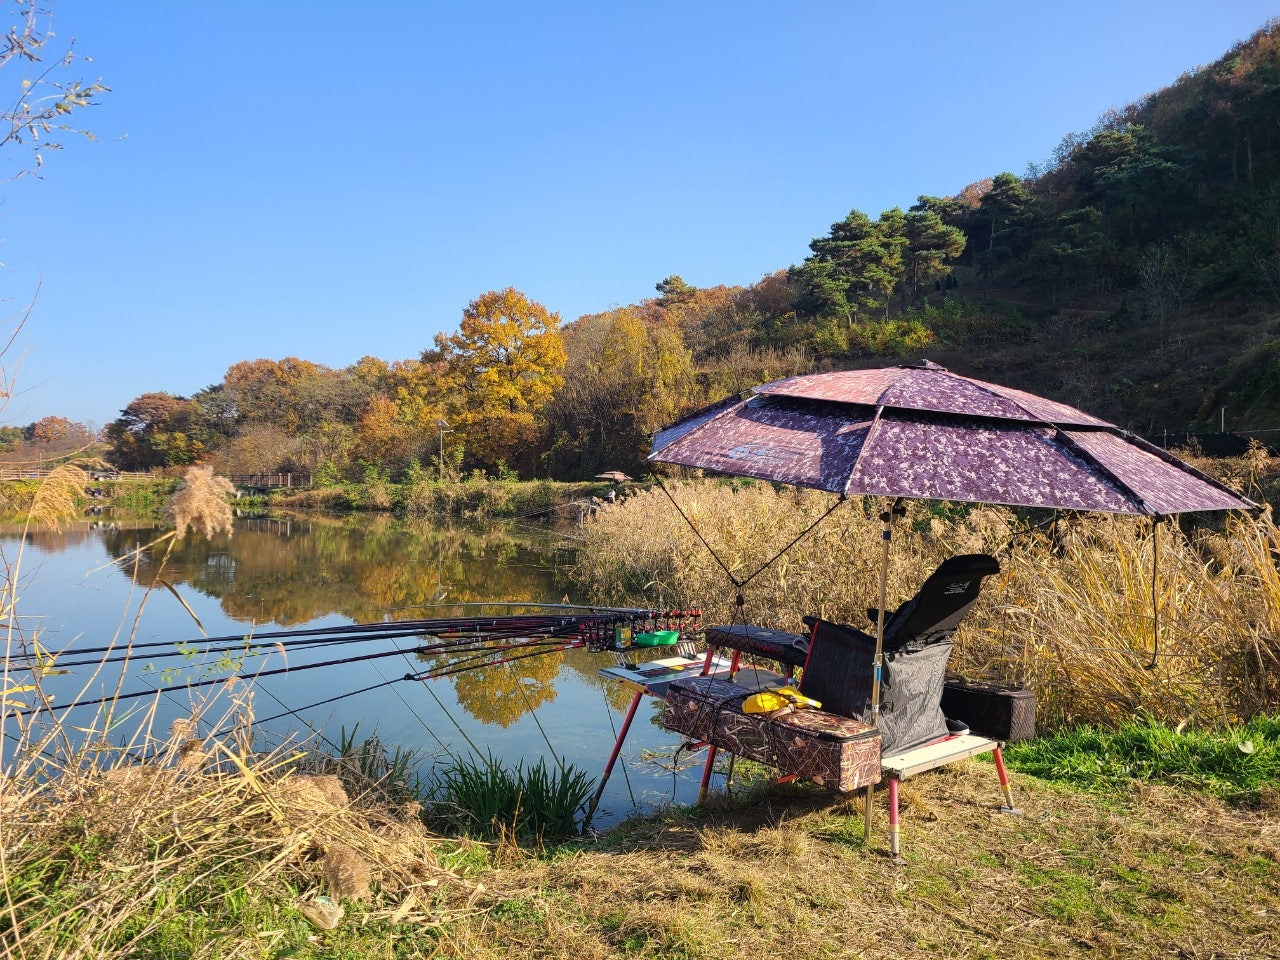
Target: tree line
x=1172, y=201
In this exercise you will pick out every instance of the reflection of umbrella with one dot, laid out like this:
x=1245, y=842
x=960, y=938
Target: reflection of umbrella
x=617, y=476
x=920, y=431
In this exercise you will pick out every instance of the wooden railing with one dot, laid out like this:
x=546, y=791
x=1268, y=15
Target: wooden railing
x=271, y=481
x=18, y=472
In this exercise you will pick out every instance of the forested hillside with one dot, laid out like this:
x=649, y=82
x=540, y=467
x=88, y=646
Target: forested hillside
x=1136, y=273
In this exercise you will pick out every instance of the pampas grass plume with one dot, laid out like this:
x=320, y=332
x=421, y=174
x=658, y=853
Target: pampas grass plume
x=201, y=503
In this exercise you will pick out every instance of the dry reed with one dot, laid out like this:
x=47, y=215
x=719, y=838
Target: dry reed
x=201, y=504
x=1070, y=616
x=101, y=848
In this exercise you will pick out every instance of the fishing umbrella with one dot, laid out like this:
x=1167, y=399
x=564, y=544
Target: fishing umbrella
x=617, y=476
x=921, y=431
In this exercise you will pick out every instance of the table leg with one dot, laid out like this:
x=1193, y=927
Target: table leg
x=866, y=814
x=613, y=757
x=706, y=772
x=1004, y=783
x=893, y=818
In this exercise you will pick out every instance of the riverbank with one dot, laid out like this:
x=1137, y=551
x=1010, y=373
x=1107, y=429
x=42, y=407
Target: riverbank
x=212, y=852
x=475, y=498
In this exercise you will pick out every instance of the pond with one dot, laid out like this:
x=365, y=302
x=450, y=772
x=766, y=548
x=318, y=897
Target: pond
x=93, y=585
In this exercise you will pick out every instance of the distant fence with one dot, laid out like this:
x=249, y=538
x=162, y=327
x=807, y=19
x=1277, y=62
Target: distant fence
x=12, y=472
x=271, y=481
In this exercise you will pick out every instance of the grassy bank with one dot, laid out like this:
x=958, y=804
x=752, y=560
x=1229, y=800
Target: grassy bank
x=208, y=850
x=476, y=498
x=1140, y=839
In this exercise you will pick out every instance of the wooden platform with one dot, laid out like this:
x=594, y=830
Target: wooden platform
x=910, y=762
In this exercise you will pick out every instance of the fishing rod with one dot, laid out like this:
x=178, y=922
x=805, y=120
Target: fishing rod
x=257, y=650
x=358, y=630
x=480, y=646
x=488, y=627
x=451, y=670
x=54, y=708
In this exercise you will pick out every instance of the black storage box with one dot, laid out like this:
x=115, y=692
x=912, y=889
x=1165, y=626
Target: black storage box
x=990, y=710
x=787, y=648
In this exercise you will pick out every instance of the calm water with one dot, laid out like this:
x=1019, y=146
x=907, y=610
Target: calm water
x=90, y=586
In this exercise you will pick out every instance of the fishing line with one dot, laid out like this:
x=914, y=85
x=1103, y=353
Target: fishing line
x=449, y=717
x=51, y=708
x=408, y=706
x=608, y=712
x=739, y=584
x=319, y=703
x=533, y=713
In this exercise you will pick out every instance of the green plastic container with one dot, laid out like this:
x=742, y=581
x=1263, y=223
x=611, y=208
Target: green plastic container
x=657, y=638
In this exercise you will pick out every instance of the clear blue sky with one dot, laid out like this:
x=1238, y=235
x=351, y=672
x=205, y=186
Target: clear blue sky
x=333, y=180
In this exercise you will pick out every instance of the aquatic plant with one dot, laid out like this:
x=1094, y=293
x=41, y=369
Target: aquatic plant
x=486, y=798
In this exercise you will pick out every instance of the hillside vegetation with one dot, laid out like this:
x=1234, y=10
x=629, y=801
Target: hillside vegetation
x=1134, y=273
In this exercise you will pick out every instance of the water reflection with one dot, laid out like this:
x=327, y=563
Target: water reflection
x=274, y=575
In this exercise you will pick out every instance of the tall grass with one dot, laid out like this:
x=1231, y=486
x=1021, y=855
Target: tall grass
x=486, y=798
x=155, y=846
x=1071, y=614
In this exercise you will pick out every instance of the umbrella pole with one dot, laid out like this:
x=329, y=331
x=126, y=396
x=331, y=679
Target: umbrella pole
x=886, y=537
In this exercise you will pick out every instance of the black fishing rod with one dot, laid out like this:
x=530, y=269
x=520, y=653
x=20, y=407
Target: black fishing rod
x=55, y=708
x=486, y=627
x=257, y=650
x=356, y=631
x=480, y=646
x=451, y=670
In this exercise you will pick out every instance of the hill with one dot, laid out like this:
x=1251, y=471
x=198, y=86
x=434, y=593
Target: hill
x=1136, y=274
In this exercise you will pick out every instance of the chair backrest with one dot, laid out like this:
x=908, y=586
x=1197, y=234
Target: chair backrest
x=941, y=603
x=840, y=668
x=841, y=665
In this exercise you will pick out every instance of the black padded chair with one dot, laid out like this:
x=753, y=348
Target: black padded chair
x=840, y=667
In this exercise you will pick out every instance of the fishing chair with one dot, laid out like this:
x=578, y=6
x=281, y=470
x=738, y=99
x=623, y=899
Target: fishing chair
x=840, y=668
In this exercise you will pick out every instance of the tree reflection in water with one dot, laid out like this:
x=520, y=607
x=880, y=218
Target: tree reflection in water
x=293, y=571
x=317, y=572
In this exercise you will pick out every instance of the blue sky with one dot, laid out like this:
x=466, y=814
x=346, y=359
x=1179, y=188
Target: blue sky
x=334, y=180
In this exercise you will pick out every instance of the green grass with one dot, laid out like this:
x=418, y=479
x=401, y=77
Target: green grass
x=488, y=799
x=1239, y=765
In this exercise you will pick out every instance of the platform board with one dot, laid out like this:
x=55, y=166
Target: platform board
x=899, y=766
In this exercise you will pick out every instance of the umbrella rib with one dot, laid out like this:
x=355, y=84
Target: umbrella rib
x=1088, y=457
x=876, y=420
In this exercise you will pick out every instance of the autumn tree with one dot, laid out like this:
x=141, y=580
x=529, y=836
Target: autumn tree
x=501, y=369
x=156, y=430
x=627, y=375
x=273, y=391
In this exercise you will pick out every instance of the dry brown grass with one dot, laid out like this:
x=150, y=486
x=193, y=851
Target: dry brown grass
x=102, y=848
x=1070, y=615
x=1150, y=874
x=201, y=504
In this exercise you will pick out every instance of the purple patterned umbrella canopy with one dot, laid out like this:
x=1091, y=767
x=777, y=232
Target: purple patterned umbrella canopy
x=921, y=431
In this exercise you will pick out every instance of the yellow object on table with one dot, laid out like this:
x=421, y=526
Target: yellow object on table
x=767, y=701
